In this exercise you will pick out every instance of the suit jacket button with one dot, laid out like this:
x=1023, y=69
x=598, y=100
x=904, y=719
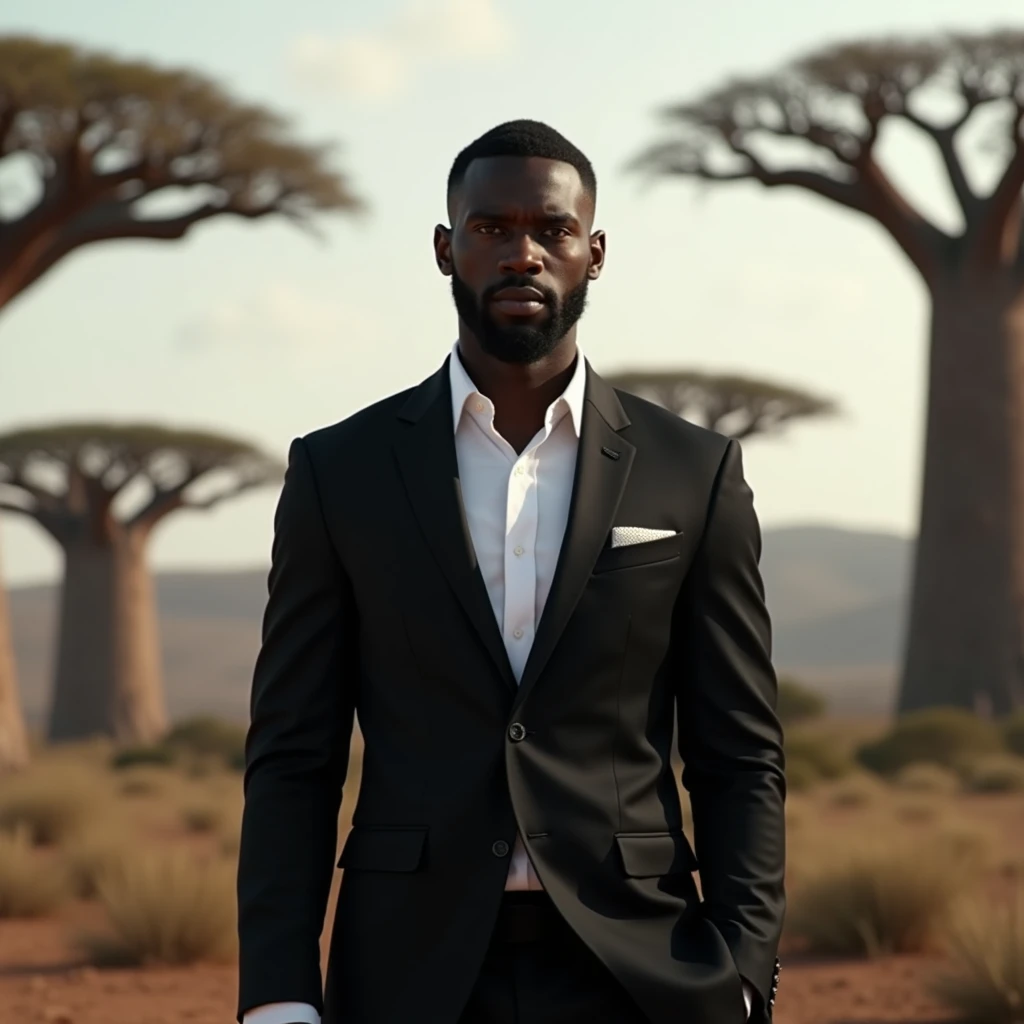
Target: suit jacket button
x=500, y=848
x=517, y=732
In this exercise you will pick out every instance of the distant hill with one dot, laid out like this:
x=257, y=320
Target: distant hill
x=836, y=598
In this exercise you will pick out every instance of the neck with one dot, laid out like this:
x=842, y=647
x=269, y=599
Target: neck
x=521, y=393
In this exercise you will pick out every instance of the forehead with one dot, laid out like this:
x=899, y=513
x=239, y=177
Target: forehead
x=516, y=183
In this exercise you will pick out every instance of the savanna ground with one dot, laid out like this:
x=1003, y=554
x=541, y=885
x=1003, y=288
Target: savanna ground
x=113, y=868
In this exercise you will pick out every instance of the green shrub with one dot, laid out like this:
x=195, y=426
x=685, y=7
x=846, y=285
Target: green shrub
x=29, y=886
x=876, y=900
x=1013, y=733
x=922, y=777
x=943, y=736
x=165, y=909
x=816, y=754
x=157, y=755
x=798, y=703
x=984, y=983
x=996, y=773
x=205, y=736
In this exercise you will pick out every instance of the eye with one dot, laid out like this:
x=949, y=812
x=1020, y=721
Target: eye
x=488, y=229
x=559, y=232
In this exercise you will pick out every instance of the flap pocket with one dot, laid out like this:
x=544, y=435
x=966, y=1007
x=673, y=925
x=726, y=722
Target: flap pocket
x=377, y=848
x=653, y=854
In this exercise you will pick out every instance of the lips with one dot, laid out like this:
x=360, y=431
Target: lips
x=518, y=301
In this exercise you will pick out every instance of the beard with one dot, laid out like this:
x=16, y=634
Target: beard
x=518, y=343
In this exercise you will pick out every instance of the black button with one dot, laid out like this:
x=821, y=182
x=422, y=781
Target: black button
x=500, y=848
x=517, y=732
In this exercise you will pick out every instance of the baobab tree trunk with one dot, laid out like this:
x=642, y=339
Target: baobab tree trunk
x=964, y=643
x=13, y=734
x=108, y=679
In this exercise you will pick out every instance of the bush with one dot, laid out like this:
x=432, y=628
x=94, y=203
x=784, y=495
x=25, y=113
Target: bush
x=922, y=777
x=997, y=773
x=29, y=886
x=985, y=982
x=855, y=791
x=1013, y=733
x=801, y=775
x=943, y=736
x=165, y=909
x=91, y=857
x=798, y=703
x=204, y=736
x=203, y=817
x=877, y=900
x=132, y=757
x=48, y=805
x=813, y=754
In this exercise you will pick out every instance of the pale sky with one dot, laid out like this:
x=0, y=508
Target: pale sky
x=258, y=330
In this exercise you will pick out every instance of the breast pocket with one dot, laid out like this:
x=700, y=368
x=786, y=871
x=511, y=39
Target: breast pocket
x=631, y=556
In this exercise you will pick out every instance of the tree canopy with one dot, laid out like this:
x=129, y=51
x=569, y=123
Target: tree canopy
x=67, y=475
x=737, y=406
x=816, y=124
x=103, y=135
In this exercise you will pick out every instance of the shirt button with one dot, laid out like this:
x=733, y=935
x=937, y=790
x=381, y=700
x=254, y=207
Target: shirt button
x=519, y=549
x=517, y=633
x=517, y=732
x=519, y=470
x=479, y=407
x=500, y=848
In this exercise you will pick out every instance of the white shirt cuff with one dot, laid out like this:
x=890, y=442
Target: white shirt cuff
x=282, y=1013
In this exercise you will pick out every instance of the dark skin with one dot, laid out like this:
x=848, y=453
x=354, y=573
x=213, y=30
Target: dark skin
x=523, y=216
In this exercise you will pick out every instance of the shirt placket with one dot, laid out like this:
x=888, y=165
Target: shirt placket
x=520, y=560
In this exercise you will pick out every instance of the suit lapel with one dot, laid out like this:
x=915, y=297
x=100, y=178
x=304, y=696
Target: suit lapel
x=602, y=469
x=429, y=470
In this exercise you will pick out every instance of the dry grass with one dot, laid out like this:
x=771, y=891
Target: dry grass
x=860, y=790
x=165, y=909
x=92, y=855
x=985, y=984
x=51, y=803
x=29, y=886
x=877, y=898
x=203, y=818
x=922, y=777
x=997, y=773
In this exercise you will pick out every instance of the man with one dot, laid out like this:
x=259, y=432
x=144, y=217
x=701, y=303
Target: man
x=524, y=582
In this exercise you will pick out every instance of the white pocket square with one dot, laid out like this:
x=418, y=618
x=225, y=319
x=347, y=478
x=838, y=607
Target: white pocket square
x=623, y=536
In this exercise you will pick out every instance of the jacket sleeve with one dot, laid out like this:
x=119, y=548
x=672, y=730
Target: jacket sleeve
x=302, y=708
x=730, y=739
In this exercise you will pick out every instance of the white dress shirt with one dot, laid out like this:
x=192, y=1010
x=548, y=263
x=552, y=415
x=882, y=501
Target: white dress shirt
x=517, y=508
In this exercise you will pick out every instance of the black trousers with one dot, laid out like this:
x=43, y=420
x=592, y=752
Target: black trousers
x=538, y=971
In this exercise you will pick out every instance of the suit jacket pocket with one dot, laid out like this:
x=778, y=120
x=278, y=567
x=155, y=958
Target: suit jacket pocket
x=647, y=553
x=384, y=848
x=653, y=854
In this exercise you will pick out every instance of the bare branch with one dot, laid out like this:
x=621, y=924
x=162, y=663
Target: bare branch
x=944, y=138
x=996, y=243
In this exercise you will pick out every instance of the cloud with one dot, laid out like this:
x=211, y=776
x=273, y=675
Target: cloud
x=382, y=64
x=309, y=328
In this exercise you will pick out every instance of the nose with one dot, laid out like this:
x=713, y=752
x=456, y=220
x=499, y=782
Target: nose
x=522, y=256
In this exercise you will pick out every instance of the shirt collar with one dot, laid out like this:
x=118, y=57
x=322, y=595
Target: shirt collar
x=571, y=400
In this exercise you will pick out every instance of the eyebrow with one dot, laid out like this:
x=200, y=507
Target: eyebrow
x=547, y=218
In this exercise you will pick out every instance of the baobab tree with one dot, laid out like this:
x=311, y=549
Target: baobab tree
x=965, y=641
x=90, y=140
x=99, y=490
x=738, y=407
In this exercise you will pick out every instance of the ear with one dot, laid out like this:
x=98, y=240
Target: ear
x=598, y=247
x=443, y=249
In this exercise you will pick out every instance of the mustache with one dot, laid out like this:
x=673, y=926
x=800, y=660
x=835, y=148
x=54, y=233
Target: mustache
x=519, y=281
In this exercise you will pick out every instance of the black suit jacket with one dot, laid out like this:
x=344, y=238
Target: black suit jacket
x=376, y=606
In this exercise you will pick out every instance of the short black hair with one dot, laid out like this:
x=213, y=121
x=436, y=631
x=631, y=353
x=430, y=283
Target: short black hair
x=524, y=138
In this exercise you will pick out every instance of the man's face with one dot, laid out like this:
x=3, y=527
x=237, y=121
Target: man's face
x=520, y=254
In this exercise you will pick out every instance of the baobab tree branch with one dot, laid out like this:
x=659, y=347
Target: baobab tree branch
x=995, y=243
x=944, y=138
